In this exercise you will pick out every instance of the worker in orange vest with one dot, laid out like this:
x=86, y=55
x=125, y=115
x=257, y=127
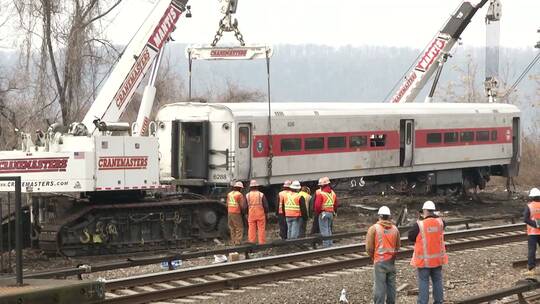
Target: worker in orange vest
x=305, y=193
x=257, y=211
x=235, y=207
x=531, y=216
x=295, y=210
x=282, y=198
x=429, y=253
x=382, y=245
x=326, y=205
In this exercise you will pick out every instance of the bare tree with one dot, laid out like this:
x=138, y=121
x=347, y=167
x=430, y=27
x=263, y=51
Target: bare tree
x=69, y=38
x=234, y=93
x=466, y=88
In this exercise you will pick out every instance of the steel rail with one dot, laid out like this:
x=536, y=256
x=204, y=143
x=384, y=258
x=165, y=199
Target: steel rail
x=246, y=249
x=282, y=259
x=181, y=291
x=522, y=287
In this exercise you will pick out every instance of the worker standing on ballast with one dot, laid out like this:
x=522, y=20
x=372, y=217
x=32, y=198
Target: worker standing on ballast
x=295, y=210
x=315, y=213
x=531, y=216
x=236, y=206
x=282, y=197
x=326, y=205
x=257, y=211
x=382, y=245
x=305, y=193
x=429, y=253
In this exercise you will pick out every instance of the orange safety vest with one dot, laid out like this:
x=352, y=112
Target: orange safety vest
x=255, y=205
x=292, y=205
x=385, y=243
x=429, y=249
x=233, y=202
x=329, y=200
x=534, y=209
x=282, y=199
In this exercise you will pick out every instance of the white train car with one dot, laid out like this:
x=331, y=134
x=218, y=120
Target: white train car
x=211, y=144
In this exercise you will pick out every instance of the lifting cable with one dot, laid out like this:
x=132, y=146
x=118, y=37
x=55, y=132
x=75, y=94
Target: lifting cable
x=242, y=52
x=521, y=76
x=270, y=141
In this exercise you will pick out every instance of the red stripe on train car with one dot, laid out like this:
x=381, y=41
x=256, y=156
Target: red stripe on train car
x=260, y=143
x=504, y=136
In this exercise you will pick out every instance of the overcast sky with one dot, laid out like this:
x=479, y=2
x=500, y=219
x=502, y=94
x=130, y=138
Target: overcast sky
x=338, y=22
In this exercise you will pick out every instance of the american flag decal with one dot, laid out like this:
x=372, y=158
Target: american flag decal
x=78, y=155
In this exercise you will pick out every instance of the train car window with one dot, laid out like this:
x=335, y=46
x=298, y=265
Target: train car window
x=243, y=138
x=336, y=142
x=357, y=141
x=377, y=140
x=467, y=136
x=451, y=137
x=434, y=138
x=482, y=136
x=494, y=135
x=291, y=144
x=314, y=143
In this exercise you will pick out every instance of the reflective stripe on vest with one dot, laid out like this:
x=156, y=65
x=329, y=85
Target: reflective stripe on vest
x=385, y=243
x=282, y=199
x=429, y=248
x=292, y=205
x=233, y=205
x=328, y=204
x=534, y=209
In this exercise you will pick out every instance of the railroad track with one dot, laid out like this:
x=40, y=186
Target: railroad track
x=246, y=249
x=234, y=275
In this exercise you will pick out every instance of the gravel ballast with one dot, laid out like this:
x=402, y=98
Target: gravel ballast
x=468, y=273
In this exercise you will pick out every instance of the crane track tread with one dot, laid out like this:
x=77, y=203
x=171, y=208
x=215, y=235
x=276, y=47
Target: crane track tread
x=50, y=232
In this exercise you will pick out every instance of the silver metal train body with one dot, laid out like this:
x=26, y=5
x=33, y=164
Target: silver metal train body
x=209, y=145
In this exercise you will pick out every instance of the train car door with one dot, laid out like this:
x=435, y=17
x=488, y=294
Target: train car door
x=406, y=134
x=195, y=149
x=243, y=151
x=516, y=152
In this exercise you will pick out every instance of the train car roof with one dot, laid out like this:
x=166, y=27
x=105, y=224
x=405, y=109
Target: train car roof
x=344, y=108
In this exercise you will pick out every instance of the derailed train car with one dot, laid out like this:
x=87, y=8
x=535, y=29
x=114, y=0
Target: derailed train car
x=206, y=146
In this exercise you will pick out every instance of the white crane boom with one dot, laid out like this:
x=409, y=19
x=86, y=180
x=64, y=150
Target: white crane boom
x=436, y=52
x=137, y=58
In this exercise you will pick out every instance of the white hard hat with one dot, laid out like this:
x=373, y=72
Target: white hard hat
x=534, y=192
x=238, y=185
x=287, y=184
x=295, y=185
x=324, y=181
x=253, y=183
x=429, y=205
x=384, y=211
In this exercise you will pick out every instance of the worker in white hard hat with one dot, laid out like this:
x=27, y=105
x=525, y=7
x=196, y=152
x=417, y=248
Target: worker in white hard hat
x=326, y=205
x=382, y=245
x=236, y=206
x=429, y=253
x=282, y=198
x=295, y=210
x=531, y=216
